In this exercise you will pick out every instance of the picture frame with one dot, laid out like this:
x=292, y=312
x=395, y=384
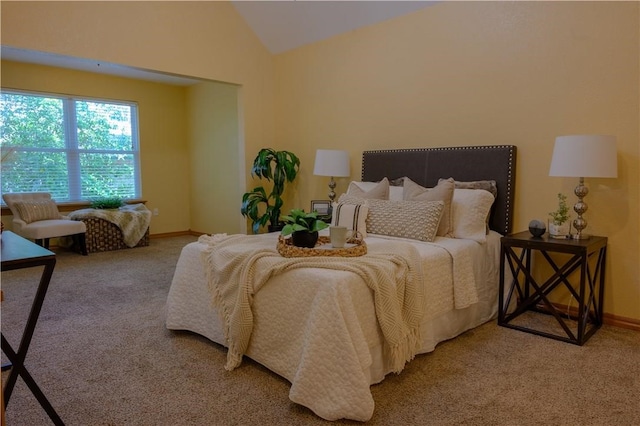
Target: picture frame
x=323, y=207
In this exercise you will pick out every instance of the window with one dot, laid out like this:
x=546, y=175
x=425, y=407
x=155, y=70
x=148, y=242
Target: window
x=76, y=149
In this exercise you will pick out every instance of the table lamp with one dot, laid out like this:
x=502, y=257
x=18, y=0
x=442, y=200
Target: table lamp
x=333, y=163
x=584, y=156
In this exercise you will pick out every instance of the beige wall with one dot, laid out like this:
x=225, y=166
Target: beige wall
x=456, y=73
x=217, y=183
x=163, y=135
x=461, y=73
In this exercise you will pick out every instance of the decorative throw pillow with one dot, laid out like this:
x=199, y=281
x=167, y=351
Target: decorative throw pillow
x=33, y=211
x=417, y=220
x=470, y=210
x=353, y=216
x=378, y=190
x=441, y=192
x=487, y=185
x=397, y=181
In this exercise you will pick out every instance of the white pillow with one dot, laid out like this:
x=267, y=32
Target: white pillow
x=396, y=193
x=351, y=215
x=470, y=208
x=417, y=220
x=378, y=190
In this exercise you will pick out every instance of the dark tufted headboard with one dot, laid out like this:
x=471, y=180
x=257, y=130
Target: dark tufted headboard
x=467, y=163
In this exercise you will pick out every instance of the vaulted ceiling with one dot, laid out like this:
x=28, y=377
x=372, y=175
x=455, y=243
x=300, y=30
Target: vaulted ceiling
x=285, y=25
x=280, y=25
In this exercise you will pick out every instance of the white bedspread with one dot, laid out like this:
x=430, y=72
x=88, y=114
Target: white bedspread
x=237, y=266
x=318, y=328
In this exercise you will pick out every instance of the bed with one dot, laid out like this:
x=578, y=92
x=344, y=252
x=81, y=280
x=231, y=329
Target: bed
x=320, y=327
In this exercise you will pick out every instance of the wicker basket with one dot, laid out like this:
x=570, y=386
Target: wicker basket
x=287, y=249
x=103, y=235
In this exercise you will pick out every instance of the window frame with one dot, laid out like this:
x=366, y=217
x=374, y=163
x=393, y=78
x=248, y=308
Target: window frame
x=71, y=148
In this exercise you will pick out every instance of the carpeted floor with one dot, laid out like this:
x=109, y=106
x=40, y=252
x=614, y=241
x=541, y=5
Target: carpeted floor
x=103, y=356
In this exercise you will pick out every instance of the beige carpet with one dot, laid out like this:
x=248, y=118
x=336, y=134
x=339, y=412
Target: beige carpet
x=102, y=355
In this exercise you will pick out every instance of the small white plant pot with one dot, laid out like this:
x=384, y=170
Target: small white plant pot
x=559, y=231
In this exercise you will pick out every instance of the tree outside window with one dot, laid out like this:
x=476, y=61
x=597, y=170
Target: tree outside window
x=76, y=149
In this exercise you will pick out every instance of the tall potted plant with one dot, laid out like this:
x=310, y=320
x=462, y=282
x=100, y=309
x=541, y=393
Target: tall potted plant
x=279, y=166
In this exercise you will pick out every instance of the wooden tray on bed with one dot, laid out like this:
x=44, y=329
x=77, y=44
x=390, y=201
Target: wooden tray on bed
x=355, y=247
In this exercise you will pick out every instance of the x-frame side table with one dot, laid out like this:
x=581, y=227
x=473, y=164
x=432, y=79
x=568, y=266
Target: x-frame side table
x=18, y=253
x=524, y=293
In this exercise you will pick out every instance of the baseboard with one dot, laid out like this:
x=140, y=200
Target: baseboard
x=622, y=322
x=177, y=234
x=607, y=319
x=171, y=234
x=197, y=233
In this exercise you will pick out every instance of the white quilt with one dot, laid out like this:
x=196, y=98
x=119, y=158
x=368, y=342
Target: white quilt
x=237, y=266
x=318, y=327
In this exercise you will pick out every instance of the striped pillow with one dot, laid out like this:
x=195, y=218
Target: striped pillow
x=353, y=216
x=33, y=211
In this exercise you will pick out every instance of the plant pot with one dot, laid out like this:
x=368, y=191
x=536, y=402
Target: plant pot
x=275, y=228
x=559, y=231
x=304, y=239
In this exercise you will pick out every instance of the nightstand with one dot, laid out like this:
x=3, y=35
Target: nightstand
x=578, y=266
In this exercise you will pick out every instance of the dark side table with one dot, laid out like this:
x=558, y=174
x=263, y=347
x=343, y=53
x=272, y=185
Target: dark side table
x=18, y=253
x=576, y=265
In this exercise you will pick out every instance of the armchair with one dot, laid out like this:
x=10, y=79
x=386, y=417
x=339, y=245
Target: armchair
x=36, y=216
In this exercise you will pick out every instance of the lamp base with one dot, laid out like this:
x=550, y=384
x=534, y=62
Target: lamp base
x=332, y=193
x=580, y=236
x=580, y=207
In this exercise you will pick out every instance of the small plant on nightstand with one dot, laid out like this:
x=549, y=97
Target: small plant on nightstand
x=559, y=224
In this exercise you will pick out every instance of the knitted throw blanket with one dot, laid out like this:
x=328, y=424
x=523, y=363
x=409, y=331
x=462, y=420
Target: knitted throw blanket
x=132, y=219
x=237, y=266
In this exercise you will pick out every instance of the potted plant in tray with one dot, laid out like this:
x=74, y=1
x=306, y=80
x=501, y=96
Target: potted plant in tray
x=559, y=224
x=279, y=166
x=303, y=227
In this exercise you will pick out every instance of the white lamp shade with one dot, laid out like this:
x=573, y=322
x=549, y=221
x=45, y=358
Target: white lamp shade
x=332, y=162
x=585, y=156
